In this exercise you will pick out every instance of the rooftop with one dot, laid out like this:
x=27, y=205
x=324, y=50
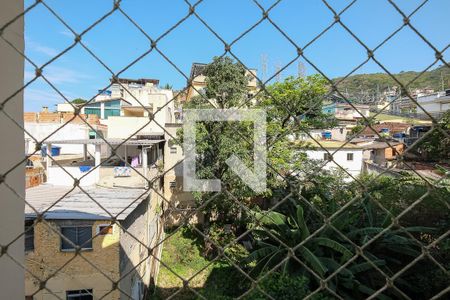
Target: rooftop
x=140, y=142
x=331, y=144
x=381, y=145
x=142, y=81
x=77, y=205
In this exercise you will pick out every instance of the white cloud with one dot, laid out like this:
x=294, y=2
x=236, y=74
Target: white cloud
x=36, y=47
x=44, y=96
x=67, y=33
x=59, y=75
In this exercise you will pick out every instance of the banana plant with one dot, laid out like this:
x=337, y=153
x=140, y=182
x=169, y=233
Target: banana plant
x=276, y=234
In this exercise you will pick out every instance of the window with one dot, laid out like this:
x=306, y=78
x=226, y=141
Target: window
x=29, y=235
x=78, y=236
x=104, y=229
x=79, y=295
x=173, y=150
x=349, y=156
x=173, y=184
x=327, y=156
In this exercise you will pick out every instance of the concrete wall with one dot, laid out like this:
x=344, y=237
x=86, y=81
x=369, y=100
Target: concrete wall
x=173, y=168
x=145, y=225
x=124, y=127
x=12, y=207
x=70, y=131
x=57, y=176
x=78, y=274
x=354, y=167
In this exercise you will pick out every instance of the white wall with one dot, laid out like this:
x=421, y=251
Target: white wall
x=58, y=176
x=124, y=127
x=70, y=131
x=353, y=167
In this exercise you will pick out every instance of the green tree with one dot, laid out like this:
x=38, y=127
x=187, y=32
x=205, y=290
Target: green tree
x=79, y=101
x=226, y=87
x=226, y=82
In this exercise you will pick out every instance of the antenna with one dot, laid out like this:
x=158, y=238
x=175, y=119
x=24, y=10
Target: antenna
x=278, y=71
x=301, y=69
x=264, y=60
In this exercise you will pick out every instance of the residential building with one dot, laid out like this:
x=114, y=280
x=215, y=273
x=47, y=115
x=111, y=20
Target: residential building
x=384, y=129
x=118, y=234
x=343, y=111
x=383, y=153
x=45, y=124
x=347, y=157
x=404, y=105
x=134, y=163
x=434, y=104
x=198, y=81
x=337, y=133
x=133, y=100
x=182, y=202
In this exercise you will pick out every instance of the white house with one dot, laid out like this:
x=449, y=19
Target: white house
x=130, y=103
x=435, y=104
x=348, y=156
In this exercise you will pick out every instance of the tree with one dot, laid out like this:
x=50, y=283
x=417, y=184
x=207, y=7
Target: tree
x=226, y=82
x=167, y=86
x=295, y=105
x=226, y=87
x=79, y=101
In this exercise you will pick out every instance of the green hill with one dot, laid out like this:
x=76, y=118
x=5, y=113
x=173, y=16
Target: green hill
x=370, y=84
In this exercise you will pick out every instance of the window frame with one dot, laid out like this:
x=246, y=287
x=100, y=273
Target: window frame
x=173, y=150
x=79, y=293
x=351, y=155
x=327, y=156
x=73, y=249
x=29, y=233
x=98, y=230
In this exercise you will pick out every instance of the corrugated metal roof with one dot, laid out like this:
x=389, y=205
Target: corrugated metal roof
x=76, y=205
x=145, y=142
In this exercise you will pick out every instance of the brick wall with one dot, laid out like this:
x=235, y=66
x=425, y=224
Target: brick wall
x=47, y=117
x=30, y=117
x=47, y=258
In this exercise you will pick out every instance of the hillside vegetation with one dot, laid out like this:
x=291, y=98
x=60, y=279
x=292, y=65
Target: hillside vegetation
x=370, y=83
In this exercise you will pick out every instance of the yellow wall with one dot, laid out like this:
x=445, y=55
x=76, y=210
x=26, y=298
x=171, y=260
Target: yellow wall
x=47, y=258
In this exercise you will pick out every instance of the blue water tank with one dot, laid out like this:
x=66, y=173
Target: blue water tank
x=56, y=151
x=326, y=135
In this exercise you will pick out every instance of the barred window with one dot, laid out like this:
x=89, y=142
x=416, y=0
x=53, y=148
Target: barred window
x=29, y=235
x=349, y=156
x=80, y=236
x=79, y=295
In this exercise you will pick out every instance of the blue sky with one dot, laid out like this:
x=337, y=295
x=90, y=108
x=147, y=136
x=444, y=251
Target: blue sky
x=117, y=42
